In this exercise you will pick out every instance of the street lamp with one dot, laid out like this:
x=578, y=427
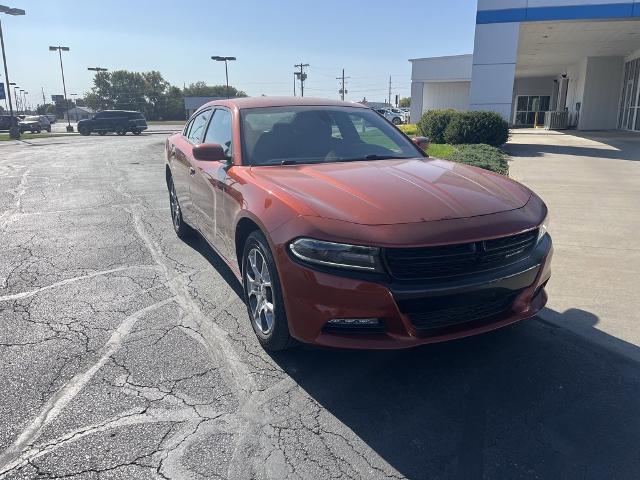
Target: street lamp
x=98, y=69
x=64, y=87
x=14, y=132
x=218, y=58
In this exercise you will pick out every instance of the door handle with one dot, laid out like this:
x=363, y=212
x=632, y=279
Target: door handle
x=192, y=171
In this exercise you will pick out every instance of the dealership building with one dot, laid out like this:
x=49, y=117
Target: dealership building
x=566, y=63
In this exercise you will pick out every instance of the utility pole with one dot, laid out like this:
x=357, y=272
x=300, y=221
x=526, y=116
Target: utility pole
x=302, y=76
x=342, y=90
x=44, y=100
x=389, y=89
x=295, y=74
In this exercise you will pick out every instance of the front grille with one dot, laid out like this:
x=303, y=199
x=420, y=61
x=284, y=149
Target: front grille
x=458, y=259
x=442, y=312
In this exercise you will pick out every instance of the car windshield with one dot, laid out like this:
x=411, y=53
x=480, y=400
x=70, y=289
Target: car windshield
x=303, y=134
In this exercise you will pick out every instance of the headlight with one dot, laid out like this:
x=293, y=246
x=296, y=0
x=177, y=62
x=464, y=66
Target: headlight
x=338, y=255
x=543, y=228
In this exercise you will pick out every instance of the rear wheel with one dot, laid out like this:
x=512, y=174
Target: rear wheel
x=396, y=121
x=263, y=294
x=181, y=228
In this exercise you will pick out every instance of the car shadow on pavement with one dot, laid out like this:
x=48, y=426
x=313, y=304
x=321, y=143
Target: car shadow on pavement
x=533, y=400
x=201, y=246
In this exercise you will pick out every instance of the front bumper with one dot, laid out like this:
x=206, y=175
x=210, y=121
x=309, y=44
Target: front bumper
x=312, y=298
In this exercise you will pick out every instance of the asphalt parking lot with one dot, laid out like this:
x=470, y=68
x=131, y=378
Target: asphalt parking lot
x=127, y=354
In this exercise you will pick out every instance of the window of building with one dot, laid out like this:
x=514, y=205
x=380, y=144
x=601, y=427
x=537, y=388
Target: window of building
x=530, y=110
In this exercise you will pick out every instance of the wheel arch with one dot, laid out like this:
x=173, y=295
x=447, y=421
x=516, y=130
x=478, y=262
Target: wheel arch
x=244, y=227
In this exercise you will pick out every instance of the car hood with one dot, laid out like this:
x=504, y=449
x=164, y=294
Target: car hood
x=385, y=192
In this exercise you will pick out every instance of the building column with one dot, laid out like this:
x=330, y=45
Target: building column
x=494, y=67
x=417, y=96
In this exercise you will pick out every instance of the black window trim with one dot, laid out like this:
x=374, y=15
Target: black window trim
x=188, y=128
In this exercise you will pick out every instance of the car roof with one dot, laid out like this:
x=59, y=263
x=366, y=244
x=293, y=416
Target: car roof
x=258, y=102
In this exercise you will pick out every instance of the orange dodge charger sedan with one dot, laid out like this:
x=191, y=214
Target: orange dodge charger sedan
x=344, y=233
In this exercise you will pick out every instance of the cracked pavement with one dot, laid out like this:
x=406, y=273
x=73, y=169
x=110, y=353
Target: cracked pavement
x=127, y=353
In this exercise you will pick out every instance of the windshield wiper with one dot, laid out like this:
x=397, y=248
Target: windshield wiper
x=372, y=157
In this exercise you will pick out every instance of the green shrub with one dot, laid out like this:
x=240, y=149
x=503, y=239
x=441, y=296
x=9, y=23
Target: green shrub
x=477, y=127
x=483, y=156
x=434, y=122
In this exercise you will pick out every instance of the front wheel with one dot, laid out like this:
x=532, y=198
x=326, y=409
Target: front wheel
x=181, y=228
x=396, y=121
x=263, y=295
x=84, y=131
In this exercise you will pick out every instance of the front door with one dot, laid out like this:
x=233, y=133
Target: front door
x=182, y=163
x=628, y=112
x=208, y=185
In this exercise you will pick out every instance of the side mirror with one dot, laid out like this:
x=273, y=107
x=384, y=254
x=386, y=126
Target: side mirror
x=421, y=142
x=209, y=152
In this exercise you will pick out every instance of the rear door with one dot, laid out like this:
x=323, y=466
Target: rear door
x=208, y=183
x=181, y=160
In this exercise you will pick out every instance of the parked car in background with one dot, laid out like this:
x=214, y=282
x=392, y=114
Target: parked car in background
x=5, y=121
x=393, y=117
x=344, y=233
x=52, y=117
x=34, y=124
x=114, y=121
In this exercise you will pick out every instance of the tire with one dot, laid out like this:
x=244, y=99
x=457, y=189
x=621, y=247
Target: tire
x=102, y=132
x=396, y=121
x=49, y=129
x=263, y=294
x=182, y=229
x=121, y=132
x=84, y=131
x=136, y=132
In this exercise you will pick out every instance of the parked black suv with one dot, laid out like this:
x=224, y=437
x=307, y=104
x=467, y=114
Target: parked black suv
x=5, y=121
x=117, y=121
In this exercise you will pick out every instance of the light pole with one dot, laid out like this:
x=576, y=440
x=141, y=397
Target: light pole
x=14, y=132
x=64, y=87
x=98, y=69
x=217, y=58
x=75, y=106
x=21, y=98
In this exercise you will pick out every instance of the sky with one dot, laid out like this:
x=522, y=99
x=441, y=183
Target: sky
x=371, y=40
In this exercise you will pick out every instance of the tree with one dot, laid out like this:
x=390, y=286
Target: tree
x=405, y=102
x=201, y=89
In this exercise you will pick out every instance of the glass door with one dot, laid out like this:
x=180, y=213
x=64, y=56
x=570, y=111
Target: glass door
x=629, y=116
x=530, y=110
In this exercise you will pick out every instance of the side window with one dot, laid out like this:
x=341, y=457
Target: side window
x=198, y=126
x=220, y=131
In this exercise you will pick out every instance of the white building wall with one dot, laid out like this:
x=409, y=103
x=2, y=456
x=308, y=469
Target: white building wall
x=494, y=67
x=450, y=70
x=601, y=92
x=446, y=95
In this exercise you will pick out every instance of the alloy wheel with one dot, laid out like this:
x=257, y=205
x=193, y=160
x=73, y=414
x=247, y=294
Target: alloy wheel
x=175, y=208
x=260, y=292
